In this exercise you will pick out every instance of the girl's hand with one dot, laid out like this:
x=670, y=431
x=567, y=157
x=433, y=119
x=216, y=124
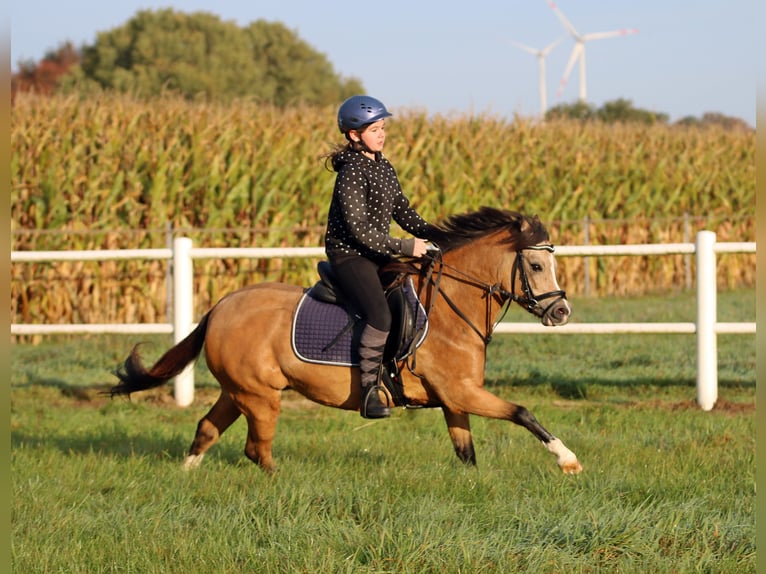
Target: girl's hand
x=420, y=247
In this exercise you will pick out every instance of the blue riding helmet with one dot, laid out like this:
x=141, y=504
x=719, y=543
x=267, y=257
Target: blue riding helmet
x=358, y=111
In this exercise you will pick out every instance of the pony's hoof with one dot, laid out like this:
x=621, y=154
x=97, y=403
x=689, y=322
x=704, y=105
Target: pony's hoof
x=565, y=458
x=193, y=461
x=270, y=470
x=573, y=467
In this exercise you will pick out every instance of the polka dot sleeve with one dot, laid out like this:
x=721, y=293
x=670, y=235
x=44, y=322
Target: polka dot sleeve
x=366, y=198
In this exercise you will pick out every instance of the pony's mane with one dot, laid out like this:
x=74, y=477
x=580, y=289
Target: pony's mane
x=458, y=230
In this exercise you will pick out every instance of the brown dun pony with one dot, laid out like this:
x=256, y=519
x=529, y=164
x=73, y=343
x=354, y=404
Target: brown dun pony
x=488, y=259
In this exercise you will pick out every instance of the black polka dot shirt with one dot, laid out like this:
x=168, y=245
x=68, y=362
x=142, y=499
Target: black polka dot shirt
x=367, y=196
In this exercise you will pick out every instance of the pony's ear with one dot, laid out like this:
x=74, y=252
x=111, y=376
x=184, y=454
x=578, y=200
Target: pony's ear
x=525, y=225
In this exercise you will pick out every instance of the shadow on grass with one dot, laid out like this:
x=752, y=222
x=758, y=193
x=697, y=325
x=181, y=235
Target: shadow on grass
x=114, y=443
x=577, y=387
x=66, y=389
x=113, y=430
x=116, y=432
x=117, y=427
x=145, y=443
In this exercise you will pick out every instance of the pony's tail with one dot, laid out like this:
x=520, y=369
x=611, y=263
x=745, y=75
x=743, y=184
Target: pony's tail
x=135, y=377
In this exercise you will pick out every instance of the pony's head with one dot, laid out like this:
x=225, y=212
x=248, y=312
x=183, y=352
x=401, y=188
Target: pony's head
x=532, y=282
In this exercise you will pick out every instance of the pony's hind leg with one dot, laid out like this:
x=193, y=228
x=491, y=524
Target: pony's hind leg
x=459, y=427
x=261, y=411
x=210, y=428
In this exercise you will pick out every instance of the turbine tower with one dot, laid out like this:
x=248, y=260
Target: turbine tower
x=541, y=55
x=578, y=52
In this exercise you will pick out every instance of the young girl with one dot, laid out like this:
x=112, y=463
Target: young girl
x=367, y=196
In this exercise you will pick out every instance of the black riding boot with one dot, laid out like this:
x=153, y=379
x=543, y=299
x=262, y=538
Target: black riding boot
x=372, y=344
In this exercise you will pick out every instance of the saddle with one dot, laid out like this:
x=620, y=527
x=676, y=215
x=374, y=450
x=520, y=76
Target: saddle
x=326, y=329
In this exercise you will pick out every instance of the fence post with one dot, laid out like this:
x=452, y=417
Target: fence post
x=687, y=257
x=169, y=274
x=707, y=344
x=586, y=259
x=183, y=311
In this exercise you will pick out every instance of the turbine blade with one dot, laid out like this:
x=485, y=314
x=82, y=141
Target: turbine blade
x=576, y=52
x=549, y=48
x=526, y=48
x=613, y=34
x=560, y=15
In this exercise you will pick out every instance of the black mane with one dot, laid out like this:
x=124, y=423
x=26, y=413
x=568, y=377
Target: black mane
x=458, y=230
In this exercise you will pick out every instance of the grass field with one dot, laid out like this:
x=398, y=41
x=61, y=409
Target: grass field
x=666, y=487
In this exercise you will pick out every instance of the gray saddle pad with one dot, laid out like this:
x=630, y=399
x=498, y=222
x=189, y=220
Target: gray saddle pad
x=321, y=332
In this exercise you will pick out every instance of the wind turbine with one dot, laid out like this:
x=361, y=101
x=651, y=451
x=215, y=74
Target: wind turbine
x=578, y=52
x=541, y=55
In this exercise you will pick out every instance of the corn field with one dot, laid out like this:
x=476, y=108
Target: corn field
x=117, y=172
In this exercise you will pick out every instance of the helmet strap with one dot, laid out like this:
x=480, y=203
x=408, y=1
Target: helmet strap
x=361, y=146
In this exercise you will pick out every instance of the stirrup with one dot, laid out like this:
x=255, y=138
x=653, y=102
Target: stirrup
x=372, y=407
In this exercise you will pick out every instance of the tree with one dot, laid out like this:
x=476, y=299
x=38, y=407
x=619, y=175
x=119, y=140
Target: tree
x=44, y=77
x=715, y=119
x=620, y=110
x=198, y=55
x=295, y=72
x=578, y=111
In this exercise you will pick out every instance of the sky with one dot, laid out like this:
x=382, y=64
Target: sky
x=689, y=57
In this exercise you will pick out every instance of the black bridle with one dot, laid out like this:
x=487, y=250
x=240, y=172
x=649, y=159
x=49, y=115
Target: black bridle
x=528, y=300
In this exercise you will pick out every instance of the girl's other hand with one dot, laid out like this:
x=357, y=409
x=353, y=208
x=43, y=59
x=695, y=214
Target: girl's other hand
x=420, y=247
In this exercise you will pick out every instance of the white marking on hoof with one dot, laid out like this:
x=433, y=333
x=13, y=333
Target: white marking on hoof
x=565, y=458
x=193, y=461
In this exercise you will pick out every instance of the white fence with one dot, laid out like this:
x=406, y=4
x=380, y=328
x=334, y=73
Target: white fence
x=183, y=253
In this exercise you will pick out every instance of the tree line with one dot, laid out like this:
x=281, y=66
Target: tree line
x=622, y=110
x=195, y=55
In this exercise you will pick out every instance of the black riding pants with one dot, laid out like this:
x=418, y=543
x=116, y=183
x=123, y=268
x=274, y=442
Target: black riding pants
x=358, y=279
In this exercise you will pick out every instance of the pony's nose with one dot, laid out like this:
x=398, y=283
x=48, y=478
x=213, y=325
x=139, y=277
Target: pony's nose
x=559, y=313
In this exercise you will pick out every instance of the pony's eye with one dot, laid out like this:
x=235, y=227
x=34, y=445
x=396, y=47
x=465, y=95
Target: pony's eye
x=536, y=267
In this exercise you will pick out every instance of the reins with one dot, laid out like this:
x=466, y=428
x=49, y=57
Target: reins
x=490, y=291
x=427, y=272
x=528, y=300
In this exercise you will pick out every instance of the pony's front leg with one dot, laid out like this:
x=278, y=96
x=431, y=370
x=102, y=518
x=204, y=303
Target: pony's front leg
x=565, y=458
x=478, y=401
x=459, y=427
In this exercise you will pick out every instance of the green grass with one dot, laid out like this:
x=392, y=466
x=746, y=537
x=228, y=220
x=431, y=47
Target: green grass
x=643, y=364
x=666, y=487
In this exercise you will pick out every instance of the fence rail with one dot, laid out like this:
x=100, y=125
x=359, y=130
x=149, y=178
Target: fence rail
x=183, y=253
